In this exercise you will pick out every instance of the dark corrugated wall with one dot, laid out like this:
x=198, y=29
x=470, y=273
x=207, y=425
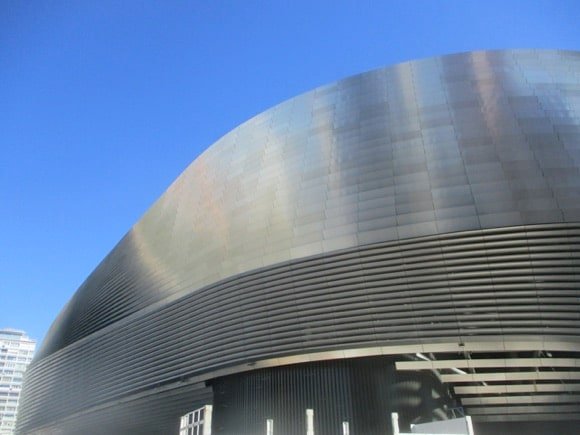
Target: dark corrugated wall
x=362, y=391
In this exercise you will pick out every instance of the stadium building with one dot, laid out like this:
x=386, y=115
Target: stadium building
x=404, y=240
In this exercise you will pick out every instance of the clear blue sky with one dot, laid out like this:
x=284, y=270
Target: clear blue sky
x=104, y=103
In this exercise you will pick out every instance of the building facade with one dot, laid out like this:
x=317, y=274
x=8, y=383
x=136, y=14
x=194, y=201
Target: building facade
x=405, y=240
x=16, y=350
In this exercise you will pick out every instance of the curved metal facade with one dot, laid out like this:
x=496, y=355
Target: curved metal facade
x=433, y=206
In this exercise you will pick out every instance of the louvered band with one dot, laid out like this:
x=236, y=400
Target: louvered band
x=487, y=290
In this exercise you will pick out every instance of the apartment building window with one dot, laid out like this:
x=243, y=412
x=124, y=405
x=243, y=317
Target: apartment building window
x=197, y=422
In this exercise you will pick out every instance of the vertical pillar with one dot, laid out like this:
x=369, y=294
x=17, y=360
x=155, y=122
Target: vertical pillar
x=269, y=427
x=310, y=422
x=395, y=422
x=469, y=424
x=345, y=428
x=207, y=420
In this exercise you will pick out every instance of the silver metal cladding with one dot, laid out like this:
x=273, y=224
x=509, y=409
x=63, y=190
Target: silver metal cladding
x=435, y=201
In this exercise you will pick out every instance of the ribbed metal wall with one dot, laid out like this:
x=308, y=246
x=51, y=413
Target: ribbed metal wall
x=516, y=282
x=156, y=412
x=435, y=201
x=462, y=142
x=362, y=392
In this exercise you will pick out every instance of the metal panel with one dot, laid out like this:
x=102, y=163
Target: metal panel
x=515, y=376
x=522, y=388
x=510, y=400
x=483, y=363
